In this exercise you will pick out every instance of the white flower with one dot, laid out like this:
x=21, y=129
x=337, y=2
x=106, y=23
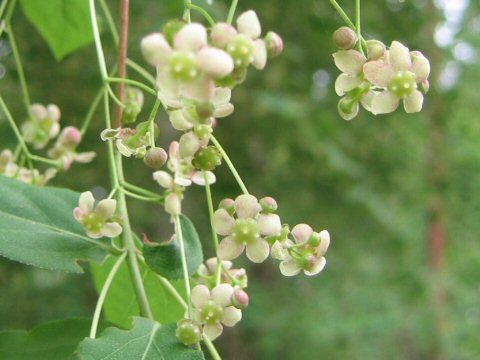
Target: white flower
x=43, y=127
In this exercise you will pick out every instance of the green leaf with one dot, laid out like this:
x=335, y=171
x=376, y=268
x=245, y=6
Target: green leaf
x=64, y=24
x=121, y=304
x=53, y=341
x=165, y=259
x=37, y=228
x=148, y=340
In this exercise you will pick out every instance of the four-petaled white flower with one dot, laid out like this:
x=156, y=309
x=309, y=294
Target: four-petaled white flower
x=44, y=125
x=97, y=221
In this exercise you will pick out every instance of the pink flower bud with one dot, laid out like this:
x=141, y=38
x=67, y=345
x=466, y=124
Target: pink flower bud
x=240, y=299
x=274, y=44
x=39, y=111
x=344, y=38
x=301, y=232
x=268, y=204
x=248, y=24
x=70, y=136
x=215, y=62
x=221, y=34
x=155, y=158
x=173, y=204
x=155, y=49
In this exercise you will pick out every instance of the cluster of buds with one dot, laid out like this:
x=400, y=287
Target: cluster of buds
x=100, y=220
x=10, y=168
x=379, y=80
x=64, y=148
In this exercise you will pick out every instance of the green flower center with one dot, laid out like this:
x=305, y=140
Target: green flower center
x=240, y=49
x=402, y=84
x=245, y=231
x=211, y=313
x=183, y=66
x=93, y=222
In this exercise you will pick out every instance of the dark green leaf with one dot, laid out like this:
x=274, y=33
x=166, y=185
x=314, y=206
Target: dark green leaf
x=64, y=24
x=37, y=227
x=165, y=259
x=53, y=341
x=148, y=340
x=121, y=304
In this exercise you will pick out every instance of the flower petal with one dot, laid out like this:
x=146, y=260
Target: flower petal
x=259, y=54
x=191, y=37
x=223, y=222
x=420, y=66
x=247, y=206
x=345, y=83
x=269, y=224
x=231, y=316
x=215, y=62
x=379, y=73
x=111, y=229
x=258, y=250
x=212, y=331
x=278, y=251
x=324, y=242
x=399, y=56
x=199, y=179
x=202, y=89
x=200, y=296
x=413, y=103
x=155, y=49
x=248, y=24
x=163, y=178
x=302, y=232
x=222, y=294
x=223, y=110
x=229, y=249
x=86, y=201
x=349, y=61
x=318, y=266
x=367, y=99
x=168, y=89
x=222, y=95
x=289, y=268
x=106, y=208
x=384, y=103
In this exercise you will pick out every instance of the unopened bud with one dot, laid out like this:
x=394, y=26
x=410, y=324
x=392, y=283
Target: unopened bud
x=227, y=204
x=155, y=158
x=155, y=49
x=70, y=136
x=268, y=204
x=375, y=49
x=240, y=299
x=221, y=34
x=274, y=44
x=173, y=204
x=344, y=38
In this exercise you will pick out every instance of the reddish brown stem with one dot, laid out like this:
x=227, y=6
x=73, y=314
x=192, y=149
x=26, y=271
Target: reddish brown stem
x=122, y=57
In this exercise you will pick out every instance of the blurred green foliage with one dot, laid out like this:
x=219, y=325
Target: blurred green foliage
x=371, y=182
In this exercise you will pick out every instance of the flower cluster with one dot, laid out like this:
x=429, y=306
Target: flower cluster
x=10, y=168
x=100, y=220
x=43, y=126
x=197, y=68
x=381, y=79
x=65, y=146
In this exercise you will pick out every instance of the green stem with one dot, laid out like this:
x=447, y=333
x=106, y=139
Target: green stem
x=98, y=42
x=347, y=20
x=91, y=111
x=171, y=289
x=229, y=164
x=3, y=7
x=140, y=190
x=44, y=160
x=211, y=349
x=103, y=295
x=178, y=228
x=357, y=26
x=110, y=22
x=8, y=14
x=231, y=12
x=151, y=120
x=203, y=12
x=140, y=70
x=141, y=197
x=186, y=11
x=21, y=74
x=133, y=83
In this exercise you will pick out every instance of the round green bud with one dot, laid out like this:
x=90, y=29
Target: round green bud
x=344, y=38
x=155, y=158
x=207, y=159
x=171, y=28
x=375, y=49
x=188, y=332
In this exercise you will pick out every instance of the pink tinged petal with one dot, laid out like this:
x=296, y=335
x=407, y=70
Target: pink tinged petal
x=349, y=61
x=278, y=251
x=345, y=83
x=212, y=331
x=39, y=111
x=168, y=89
x=78, y=214
x=85, y=157
x=258, y=250
x=191, y=37
x=189, y=144
x=248, y=24
x=223, y=110
x=324, y=242
x=269, y=224
x=222, y=33
x=163, y=178
x=53, y=112
x=399, y=56
x=413, y=103
x=367, y=99
x=179, y=121
x=200, y=296
x=86, y=201
x=420, y=66
x=155, y=49
x=379, y=73
x=316, y=267
x=222, y=294
x=259, y=54
x=94, y=235
x=106, y=208
x=247, y=206
x=231, y=316
x=202, y=89
x=289, y=268
x=229, y=249
x=173, y=204
x=384, y=103
x=111, y=229
x=215, y=62
x=199, y=179
x=223, y=222
x=302, y=232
